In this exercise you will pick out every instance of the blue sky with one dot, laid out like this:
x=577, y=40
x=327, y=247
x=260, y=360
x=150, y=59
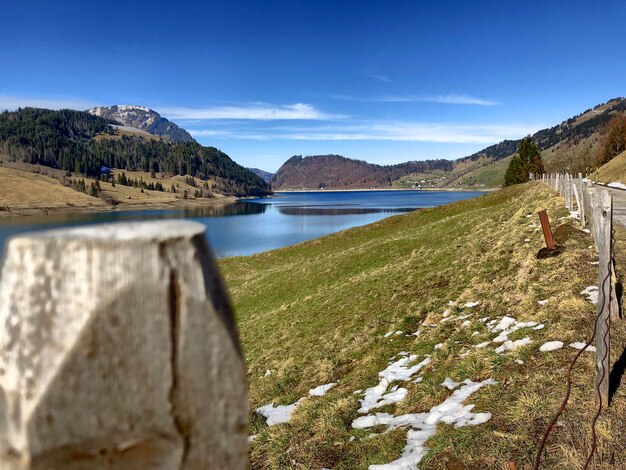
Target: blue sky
x=264, y=80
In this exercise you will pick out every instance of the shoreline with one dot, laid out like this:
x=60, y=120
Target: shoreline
x=459, y=190
x=188, y=204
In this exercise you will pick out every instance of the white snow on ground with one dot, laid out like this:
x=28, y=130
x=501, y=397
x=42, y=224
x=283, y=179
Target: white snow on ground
x=388, y=334
x=551, y=346
x=617, y=184
x=253, y=437
x=399, y=370
x=542, y=302
x=483, y=345
x=321, y=390
x=439, y=346
x=508, y=325
x=509, y=345
x=424, y=425
x=277, y=414
x=450, y=384
x=591, y=292
x=574, y=215
x=519, y=361
x=267, y=373
x=580, y=345
x=471, y=304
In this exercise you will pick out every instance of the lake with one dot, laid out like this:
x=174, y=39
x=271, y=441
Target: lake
x=256, y=225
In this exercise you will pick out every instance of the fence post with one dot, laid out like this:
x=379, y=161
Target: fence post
x=582, y=199
x=118, y=350
x=603, y=321
x=547, y=231
x=570, y=201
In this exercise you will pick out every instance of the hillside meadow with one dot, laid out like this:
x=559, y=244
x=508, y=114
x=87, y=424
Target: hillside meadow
x=446, y=306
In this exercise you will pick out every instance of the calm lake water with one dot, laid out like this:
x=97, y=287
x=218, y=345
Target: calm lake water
x=257, y=225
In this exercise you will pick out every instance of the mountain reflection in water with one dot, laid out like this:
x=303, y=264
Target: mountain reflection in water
x=295, y=210
x=255, y=225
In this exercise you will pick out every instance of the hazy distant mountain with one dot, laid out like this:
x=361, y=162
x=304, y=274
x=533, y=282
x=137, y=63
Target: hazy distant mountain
x=265, y=175
x=144, y=119
x=337, y=172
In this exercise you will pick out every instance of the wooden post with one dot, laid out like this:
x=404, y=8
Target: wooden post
x=578, y=206
x=547, y=231
x=603, y=322
x=570, y=201
x=118, y=350
x=582, y=199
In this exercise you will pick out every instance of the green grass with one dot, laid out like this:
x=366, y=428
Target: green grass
x=317, y=312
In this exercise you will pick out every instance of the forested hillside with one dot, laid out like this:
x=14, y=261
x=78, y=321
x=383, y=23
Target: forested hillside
x=76, y=141
x=337, y=172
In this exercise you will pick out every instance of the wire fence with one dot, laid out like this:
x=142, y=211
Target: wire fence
x=594, y=208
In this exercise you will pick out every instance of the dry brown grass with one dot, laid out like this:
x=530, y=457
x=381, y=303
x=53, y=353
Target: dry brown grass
x=24, y=190
x=615, y=170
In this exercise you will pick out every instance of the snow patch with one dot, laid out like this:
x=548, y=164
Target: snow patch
x=424, y=425
x=542, y=302
x=509, y=345
x=580, y=345
x=321, y=390
x=617, y=184
x=377, y=396
x=471, y=304
x=591, y=292
x=277, y=414
x=551, y=346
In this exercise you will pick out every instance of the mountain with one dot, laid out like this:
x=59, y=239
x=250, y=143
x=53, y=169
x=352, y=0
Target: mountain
x=265, y=175
x=337, y=172
x=144, y=119
x=572, y=145
x=82, y=143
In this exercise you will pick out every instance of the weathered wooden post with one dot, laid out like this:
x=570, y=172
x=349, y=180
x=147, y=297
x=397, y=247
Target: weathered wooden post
x=578, y=206
x=118, y=350
x=583, y=195
x=570, y=201
x=603, y=213
x=547, y=231
x=556, y=183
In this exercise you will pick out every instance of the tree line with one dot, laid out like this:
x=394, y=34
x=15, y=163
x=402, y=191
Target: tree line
x=65, y=140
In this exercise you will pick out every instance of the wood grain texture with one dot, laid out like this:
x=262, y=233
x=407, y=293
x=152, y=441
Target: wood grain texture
x=119, y=351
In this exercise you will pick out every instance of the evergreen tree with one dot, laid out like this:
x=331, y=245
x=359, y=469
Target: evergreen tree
x=527, y=160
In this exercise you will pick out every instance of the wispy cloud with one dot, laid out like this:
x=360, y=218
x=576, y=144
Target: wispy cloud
x=398, y=131
x=382, y=78
x=253, y=111
x=444, y=99
x=64, y=102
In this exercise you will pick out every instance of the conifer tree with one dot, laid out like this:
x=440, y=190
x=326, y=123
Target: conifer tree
x=526, y=160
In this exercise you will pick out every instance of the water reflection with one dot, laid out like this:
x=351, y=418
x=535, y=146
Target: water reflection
x=252, y=226
x=295, y=210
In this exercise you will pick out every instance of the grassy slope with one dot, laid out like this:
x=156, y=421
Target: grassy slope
x=317, y=312
x=615, y=170
x=482, y=173
x=22, y=189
